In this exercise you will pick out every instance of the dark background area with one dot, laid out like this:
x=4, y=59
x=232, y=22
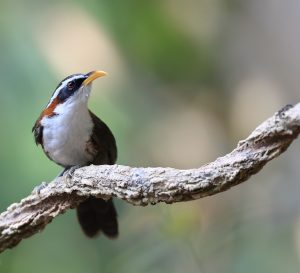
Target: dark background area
x=187, y=80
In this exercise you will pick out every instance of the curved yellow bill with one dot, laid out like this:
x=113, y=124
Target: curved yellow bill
x=93, y=76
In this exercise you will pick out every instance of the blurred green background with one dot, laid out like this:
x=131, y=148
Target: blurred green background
x=187, y=80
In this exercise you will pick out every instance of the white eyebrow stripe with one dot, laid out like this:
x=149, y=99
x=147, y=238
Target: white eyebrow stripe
x=63, y=85
x=54, y=95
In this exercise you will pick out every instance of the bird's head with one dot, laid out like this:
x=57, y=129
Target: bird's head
x=71, y=91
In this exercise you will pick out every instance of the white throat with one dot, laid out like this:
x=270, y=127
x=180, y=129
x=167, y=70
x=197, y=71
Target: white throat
x=66, y=133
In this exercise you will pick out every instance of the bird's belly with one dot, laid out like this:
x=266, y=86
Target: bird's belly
x=67, y=145
x=67, y=155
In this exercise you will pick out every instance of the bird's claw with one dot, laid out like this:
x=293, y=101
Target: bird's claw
x=37, y=189
x=68, y=172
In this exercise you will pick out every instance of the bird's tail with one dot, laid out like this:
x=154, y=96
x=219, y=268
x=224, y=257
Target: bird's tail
x=97, y=215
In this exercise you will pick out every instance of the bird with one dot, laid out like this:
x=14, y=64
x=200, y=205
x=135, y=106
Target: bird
x=71, y=135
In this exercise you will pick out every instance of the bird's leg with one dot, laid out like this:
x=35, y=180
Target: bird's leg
x=68, y=171
x=37, y=189
x=63, y=171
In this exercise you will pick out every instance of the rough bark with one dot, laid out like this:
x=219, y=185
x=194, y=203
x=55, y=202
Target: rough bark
x=143, y=186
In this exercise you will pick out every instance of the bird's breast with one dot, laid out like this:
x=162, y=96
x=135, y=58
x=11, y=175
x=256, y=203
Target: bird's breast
x=65, y=137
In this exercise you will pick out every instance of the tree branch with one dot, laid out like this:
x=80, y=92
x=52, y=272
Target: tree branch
x=141, y=186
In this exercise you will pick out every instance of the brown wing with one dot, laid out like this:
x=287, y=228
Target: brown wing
x=95, y=214
x=38, y=133
x=103, y=143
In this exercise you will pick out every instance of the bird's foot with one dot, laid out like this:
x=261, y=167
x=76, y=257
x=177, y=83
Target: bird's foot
x=68, y=172
x=37, y=189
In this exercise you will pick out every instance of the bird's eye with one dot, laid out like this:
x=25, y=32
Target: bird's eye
x=71, y=85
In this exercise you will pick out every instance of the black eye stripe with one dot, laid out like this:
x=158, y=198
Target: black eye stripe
x=74, y=77
x=70, y=85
